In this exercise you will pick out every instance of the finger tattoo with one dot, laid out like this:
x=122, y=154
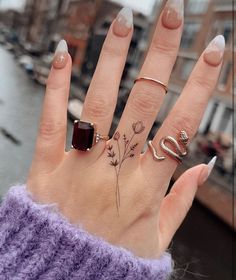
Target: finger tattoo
x=117, y=159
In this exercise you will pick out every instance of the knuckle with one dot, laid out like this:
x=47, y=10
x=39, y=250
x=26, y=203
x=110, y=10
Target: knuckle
x=145, y=103
x=180, y=121
x=164, y=48
x=202, y=83
x=48, y=129
x=55, y=85
x=97, y=108
x=111, y=51
x=186, y=204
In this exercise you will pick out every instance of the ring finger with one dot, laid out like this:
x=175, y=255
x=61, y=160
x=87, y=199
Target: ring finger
x=188, y=110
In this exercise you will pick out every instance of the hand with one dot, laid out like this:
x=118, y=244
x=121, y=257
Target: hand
x=113, y=190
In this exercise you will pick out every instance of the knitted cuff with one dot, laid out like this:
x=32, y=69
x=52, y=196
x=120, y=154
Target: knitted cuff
x=37, y=242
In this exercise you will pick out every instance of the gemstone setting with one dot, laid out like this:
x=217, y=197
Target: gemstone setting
x=83, y=135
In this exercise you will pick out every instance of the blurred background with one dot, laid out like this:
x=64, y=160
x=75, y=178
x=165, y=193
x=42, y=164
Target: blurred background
x=29, y=33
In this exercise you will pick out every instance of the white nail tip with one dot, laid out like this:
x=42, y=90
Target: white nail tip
x=126, y=15
x=211, y=164
x=218, y=43
x=177, y=5
x=61, y=47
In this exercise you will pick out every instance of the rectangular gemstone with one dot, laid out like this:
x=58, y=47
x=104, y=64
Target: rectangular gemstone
x=83, y=135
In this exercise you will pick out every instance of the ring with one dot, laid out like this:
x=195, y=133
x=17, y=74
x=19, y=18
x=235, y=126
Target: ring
x=153, y=80
x=178, y=154
x=85, y=136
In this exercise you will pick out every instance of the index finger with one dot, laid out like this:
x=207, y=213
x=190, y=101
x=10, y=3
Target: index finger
x=50, y=144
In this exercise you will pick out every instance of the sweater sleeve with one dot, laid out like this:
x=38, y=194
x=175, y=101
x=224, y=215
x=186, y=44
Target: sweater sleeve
x=37, y=242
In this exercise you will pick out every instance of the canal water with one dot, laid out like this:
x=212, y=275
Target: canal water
x=201, y=248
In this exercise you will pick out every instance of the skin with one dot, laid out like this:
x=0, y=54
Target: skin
x=83, y=184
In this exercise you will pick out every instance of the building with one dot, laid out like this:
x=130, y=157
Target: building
x=39, y=23
x=77, y=19
x=11, y=22
x=49, y=21
x=105, y=15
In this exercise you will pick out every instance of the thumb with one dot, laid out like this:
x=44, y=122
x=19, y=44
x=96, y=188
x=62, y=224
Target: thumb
x=177, y=203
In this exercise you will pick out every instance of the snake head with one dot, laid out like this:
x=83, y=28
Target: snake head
x=183, y=137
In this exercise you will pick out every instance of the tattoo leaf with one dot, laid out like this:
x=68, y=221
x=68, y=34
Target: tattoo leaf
x=133, y=146
x=116, y=136
x=109, y=147
x=111, y=154
x=114, y=163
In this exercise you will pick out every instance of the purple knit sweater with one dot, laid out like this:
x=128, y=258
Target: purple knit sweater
x=37, y=242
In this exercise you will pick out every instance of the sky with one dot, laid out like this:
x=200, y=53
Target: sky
x=143, y=6
x=12, y=4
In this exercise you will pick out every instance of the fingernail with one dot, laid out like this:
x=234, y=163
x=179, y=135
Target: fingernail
x=213, y=54
x=207, y=170
x=123, y=22
x=172, y=15
x=61, y=55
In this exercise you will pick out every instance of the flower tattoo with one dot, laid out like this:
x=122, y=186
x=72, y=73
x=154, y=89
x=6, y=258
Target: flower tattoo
x=138, y=127
x=116, y=160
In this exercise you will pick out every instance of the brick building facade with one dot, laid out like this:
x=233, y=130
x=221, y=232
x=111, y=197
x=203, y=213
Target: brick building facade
x=205, y=19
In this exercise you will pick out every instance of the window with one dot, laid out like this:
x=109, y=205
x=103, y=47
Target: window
x=223, y=27
x=197, y=6
x=227, y=30
x=186, y=68
x=225, y=75
x=64, y=5
x=189, y=34
x=234, y=84
x=226, y=118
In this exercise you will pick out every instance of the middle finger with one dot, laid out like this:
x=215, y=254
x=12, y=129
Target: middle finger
x=146, y=96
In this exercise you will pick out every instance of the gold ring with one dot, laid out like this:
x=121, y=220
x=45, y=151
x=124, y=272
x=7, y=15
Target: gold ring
x=152, y=80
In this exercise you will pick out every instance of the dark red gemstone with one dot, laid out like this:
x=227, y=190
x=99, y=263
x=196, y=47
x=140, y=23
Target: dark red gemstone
x=83, y=135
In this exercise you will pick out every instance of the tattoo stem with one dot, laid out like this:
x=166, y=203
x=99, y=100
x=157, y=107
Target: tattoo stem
x=128, y=145
x=117, y=177
x=117, y=191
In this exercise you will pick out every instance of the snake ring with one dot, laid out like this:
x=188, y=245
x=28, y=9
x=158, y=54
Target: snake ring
x=178, y=153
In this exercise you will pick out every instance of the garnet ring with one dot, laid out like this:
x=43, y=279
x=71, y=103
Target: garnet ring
x=85, y=136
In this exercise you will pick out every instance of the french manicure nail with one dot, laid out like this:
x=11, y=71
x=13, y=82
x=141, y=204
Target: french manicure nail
x=172, y=15
x=214, y=52
x=123, y=22
x=211, y=164
x=208, y=169
x=61, y=55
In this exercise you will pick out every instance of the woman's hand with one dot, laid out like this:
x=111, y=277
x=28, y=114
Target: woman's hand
x=113, y=190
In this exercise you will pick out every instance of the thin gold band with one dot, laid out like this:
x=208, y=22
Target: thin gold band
x=152, y=80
